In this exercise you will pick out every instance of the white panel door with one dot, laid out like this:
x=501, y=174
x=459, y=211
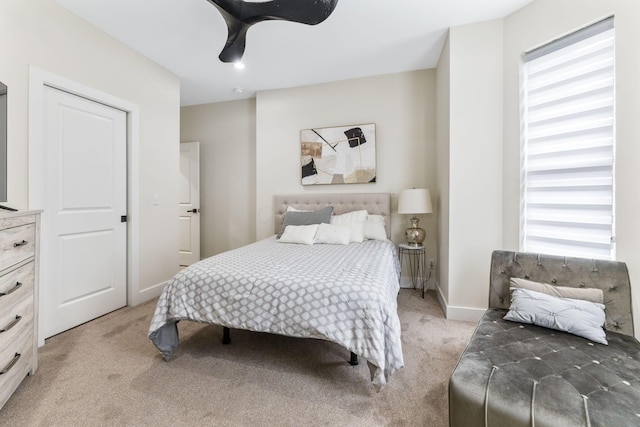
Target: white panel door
x=189, y=218
x=84, y=241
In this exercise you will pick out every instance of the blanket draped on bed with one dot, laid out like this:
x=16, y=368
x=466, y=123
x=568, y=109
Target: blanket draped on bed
x=346, y=294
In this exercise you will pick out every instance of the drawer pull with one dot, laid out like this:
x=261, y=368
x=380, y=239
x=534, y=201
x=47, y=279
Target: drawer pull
x=12, y=290
x=12, y=324
x=17, y=245
x=10, y=365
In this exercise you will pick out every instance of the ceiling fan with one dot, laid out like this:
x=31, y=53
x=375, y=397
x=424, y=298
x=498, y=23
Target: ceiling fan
x=240, y=15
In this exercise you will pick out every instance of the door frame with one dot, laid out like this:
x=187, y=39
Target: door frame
x=38, y=80
x=199, y=204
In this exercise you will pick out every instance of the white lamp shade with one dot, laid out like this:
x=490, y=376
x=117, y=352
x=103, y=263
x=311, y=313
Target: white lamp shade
x=414, y=201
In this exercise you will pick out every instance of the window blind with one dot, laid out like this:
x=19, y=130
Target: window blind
x=567, y=204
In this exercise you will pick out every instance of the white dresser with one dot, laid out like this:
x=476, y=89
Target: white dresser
x=19, y=242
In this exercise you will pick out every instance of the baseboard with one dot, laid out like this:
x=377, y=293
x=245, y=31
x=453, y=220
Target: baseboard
x=149, y=293
x=441, y=300
x=467, y=314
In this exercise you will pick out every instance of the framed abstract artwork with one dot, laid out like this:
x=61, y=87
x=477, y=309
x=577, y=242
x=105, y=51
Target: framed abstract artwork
x=338, y=155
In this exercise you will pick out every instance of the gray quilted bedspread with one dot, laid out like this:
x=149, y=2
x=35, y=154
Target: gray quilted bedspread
x=346, y=294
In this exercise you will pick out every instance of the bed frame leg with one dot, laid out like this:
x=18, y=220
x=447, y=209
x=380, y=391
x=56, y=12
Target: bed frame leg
x=354, y=359
x=226, y=339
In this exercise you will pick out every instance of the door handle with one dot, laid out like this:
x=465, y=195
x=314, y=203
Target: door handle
x=10, y=365
x=194, y=210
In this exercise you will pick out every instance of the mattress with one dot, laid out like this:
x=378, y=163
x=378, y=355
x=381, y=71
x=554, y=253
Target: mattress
x=346, y=294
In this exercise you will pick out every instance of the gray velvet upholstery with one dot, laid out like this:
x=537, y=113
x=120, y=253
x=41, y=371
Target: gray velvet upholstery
x=610, y=276
x=513, y=374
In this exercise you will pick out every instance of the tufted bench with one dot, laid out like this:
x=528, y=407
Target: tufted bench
x=513, y=374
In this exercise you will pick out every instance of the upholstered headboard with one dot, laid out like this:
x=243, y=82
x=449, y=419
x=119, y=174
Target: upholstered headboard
x=374, y=203
x=610, y=276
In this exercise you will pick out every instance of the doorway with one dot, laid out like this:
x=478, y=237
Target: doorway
x=40, y=82
x=189, y=205
x=86, y=235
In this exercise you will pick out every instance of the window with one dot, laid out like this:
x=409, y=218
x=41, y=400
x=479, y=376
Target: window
x=568, y=137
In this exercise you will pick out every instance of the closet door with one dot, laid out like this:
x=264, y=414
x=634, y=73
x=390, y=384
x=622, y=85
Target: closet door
x=84, y=233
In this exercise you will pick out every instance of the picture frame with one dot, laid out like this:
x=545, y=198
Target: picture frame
x=338, y=155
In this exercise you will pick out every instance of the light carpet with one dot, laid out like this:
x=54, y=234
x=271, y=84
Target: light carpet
x=107, y=373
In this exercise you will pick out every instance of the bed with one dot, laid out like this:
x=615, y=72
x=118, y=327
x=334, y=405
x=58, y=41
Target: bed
x=343, y=293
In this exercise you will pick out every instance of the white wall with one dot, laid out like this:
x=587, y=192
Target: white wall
x=43, y=34
x=443, y=136
x=474, y=63
x=540, y=22
x=227, y=135
x=401, y=105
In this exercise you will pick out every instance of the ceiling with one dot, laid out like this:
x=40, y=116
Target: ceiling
x=361, y=38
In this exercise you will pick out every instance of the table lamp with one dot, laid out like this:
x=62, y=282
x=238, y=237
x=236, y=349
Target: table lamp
x=415, y=201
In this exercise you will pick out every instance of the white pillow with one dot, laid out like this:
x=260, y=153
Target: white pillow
x=333, y=234
x=355, y=220
x=303, y=234
x=292, y=209
x=375, y=219
x=578, y=317
x=374, y=228
x=350, y=217
x=587, y=294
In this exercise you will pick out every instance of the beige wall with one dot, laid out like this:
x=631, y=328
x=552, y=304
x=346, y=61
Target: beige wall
x=401, y=105
x=538, y=23
x=473, y=83
x=43, y=34
x=227, y=135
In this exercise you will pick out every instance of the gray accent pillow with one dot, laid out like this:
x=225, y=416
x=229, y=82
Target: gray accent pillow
x=587, y=294
x=582, y=318
x=321, y=216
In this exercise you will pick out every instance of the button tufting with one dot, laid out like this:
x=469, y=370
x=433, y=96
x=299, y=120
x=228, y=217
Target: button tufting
x=596, y=362
x=626, y=383
x=537, y=358
x=581, y=285
x=577, y=367
x=526, y=276
x=604, y=388
x=554, y=281
x=521, y=327
x=590, y=343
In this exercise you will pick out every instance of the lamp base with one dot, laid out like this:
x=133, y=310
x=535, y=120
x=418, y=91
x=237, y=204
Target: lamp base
x=414, y=234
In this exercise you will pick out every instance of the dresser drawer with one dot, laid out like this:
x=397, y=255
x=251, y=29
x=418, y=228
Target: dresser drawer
x=16, y=286
x=14, y=368
x=16, y=245
x=16, y=319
